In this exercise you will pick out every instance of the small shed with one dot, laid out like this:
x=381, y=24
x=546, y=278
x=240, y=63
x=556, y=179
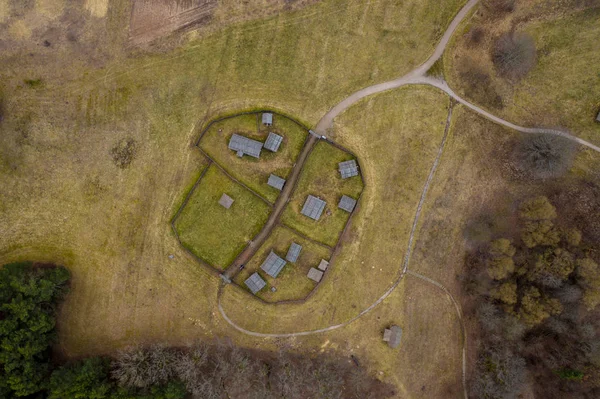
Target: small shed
x=347, y=203
x=267, y=119
x=276, y=182
x=293, y=253
x=273, y=265
x=273, y=142
x=392, y=336
x=226, y=201
x=245, y=146
x=323, y=265
x=313, y=207
x=255, y=283
x=598, y=117
x=314, y=274
x=348, y=168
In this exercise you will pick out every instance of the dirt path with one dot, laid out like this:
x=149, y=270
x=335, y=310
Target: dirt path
x=278, y=208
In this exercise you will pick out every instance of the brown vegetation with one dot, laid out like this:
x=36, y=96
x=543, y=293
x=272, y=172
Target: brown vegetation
x=534, y=294
x=514, y=55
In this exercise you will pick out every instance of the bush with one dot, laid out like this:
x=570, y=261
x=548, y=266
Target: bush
x=545, y=155
x=500, y=6
x=514, y=55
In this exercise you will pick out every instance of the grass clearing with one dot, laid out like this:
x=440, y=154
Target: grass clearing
x=215, y=234
x=292, y=283
x=560, y=91
x=255, y=172
x=321, y=178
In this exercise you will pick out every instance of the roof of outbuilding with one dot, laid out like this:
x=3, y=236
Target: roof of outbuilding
x=598, y=117
x=348, y=168
x=273, y=142
x=273, y=265
x=323, y=265
x=293, y=252
x=267, y=118
x=226, y=201
x=276, y=182
x=313, y=207
x=244, y=145
x=315, y=274
x=392, y=336
x=255, y=283
x=347, y=203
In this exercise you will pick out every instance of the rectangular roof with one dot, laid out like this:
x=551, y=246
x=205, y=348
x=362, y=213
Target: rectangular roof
x=243, y=145
x=293, y=252
x=255, y=283
x=276, y=182
x=273, y=265
x=313, y=207
x=267, y=118
x=347, y=203
x=323, y=265
x=392, y=336
x=348, y=169
x=315, y=274
x=598, y=117
x=226, y=201
x=273, y=142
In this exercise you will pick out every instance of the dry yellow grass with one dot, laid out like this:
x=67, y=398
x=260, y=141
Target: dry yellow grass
x=97, y=8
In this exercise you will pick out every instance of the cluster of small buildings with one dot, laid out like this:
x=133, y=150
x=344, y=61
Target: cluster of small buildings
x=274, y=264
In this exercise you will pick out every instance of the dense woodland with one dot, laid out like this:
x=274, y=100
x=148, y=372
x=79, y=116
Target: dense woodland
x=29, y=296
x=535, y=296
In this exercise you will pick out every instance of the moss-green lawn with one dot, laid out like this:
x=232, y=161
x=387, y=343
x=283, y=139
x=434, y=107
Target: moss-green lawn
x=215, y=234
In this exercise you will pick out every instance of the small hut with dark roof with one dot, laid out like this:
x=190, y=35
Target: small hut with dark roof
x=313, y=207
x=273, y=265
x=267, y=118
x=245, y=146
x=348, y=169
x=347, y=203
x=276, y=182
x=273, y=142
x=392, y=336
x=255, y=283
x=293, y=253
x=315, y=274
x=598, y=117
x=226, y=201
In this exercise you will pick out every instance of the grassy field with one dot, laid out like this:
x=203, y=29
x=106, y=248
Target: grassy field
x=292, y=282
x=321, y=178
x=255, y=172
x=560, y=91
x=215, y=234
x=64, y=199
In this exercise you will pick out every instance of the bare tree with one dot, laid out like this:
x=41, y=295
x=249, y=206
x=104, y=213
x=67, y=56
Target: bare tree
x=545, y=155
x=514, y=55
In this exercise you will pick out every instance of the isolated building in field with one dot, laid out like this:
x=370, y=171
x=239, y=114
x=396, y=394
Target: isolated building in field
x=245, y=146
x=273, y=265
x=226, y=201
x=348, y=169
x=598, y=117
x=255, y=283
x=273, y=142
x=276, y=182
x=313, y=207
x=392, y=336
x=347, y=203
x=267, y=119
x=293, y=253
x=323, y=265
x=315, y=274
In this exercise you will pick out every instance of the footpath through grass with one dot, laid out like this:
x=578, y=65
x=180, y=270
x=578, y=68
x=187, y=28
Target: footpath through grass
x=215, y=234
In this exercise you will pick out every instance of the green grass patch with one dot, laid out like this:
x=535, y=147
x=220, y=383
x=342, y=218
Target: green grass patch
x=251, y=171
x=321, y=178
x=292, y=282
x=213, y=233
